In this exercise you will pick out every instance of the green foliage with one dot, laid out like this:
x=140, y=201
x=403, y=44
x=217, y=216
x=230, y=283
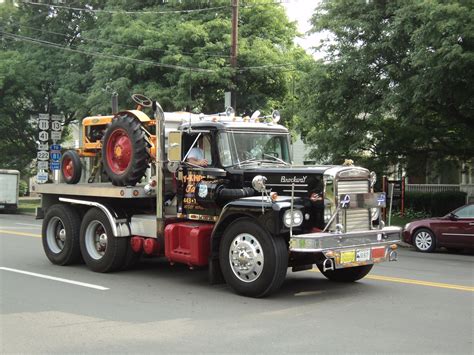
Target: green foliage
x=181, y=59
x=23, y=188
x=396, y=83
x=433, y=204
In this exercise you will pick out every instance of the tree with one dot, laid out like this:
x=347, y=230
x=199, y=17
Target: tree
x=395, y=85
x=75, y=58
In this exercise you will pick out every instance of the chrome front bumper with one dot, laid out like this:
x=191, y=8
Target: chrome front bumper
x=321, y=242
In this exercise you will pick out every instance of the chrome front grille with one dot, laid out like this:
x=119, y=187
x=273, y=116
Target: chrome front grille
x=358, y=218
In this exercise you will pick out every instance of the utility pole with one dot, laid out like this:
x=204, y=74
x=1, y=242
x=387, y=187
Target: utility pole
x=233, y=49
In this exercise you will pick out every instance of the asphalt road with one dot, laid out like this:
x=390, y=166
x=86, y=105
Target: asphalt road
x=421, y=304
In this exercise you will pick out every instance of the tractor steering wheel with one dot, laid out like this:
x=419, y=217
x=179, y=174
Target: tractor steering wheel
x=142, y=100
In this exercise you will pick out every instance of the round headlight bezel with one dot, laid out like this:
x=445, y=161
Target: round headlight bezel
x=293, y=220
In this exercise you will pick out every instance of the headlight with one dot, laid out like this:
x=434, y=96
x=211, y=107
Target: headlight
x=406, y=226
x=292, y=219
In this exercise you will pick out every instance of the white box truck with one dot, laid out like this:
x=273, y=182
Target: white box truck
x=9, y=190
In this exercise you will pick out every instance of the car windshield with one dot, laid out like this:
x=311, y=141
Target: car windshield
x=241, y=147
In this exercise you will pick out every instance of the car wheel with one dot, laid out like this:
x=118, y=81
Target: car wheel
x=424, y=240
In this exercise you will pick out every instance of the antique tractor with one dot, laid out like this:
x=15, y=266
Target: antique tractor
x=123, y=144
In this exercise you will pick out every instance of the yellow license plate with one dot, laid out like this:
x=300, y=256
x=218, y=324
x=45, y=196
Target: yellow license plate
x=348, y=256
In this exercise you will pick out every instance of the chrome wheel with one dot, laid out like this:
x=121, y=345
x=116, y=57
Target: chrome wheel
x=246, y=257
x=423, y=241
x=55, y=235
x=95, y=240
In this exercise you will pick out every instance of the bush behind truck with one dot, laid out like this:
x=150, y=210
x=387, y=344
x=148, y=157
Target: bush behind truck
x=247, y=213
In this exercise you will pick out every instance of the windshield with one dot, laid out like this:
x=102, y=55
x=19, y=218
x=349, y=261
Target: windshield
x=237, y=147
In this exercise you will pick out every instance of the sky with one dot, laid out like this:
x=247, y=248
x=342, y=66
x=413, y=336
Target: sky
x=301, y=11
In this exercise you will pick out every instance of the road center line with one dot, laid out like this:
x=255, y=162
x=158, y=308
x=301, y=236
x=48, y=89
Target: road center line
x=77, y=283
x=416, y=282
x=421, y=283
x=20, y=233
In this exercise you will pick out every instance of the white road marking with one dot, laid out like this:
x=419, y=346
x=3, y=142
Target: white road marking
x=18, y=228
x=28, y=224
x=83, y=284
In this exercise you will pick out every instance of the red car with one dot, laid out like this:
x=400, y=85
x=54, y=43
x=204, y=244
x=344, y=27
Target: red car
x=454, y=231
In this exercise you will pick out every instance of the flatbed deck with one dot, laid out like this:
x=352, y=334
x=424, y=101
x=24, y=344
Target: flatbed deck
x=94, y=190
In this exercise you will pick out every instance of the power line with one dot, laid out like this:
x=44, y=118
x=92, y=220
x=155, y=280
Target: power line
x=123, y=45
x=125, y=12
x=143, y=61
x=97, y=54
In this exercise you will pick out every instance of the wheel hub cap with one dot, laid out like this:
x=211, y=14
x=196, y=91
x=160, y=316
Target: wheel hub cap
x=103, y=239
x=423, y=241
x=96, y=240
x=246, y=257
x=62, y=235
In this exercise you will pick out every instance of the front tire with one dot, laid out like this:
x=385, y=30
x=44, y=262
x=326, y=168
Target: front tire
x=101, y=250
x=350, y=274
x=253, y=262
x=60, y=235
x=124, y=151
x=424, y=240
x=71, y=168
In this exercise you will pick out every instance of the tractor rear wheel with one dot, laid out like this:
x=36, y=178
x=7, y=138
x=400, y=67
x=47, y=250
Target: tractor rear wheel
x=124, y=151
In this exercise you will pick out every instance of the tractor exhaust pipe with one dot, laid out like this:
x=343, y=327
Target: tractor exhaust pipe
x=160, y=161
x=114, y=103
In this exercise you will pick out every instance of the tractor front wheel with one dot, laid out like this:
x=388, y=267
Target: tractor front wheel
x=124, y=151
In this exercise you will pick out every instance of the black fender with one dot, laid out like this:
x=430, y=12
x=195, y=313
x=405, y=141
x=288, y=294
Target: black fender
x=266, y=213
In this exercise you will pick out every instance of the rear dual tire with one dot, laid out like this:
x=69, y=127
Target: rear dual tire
x=101, y=250
x=60, y=235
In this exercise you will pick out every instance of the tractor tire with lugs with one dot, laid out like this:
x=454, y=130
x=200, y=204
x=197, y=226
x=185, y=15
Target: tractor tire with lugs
x=124, y=151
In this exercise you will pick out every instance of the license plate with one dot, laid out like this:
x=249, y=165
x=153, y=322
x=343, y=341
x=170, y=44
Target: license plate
x=348, y=256
x=362, y=254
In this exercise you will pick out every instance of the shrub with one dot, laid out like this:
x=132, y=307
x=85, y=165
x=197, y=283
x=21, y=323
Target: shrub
x=435, y=204
x=23, y=188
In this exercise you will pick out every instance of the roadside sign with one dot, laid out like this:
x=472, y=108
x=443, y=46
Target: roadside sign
x=56, y=126
x=43, y=136
x=43, y=116
x=55, y=147
x=43, y=165
x=55, y=156
x=42, y=177
x=56, y=135
x=55, y=165
x=57, y=117
x=42, y=155
x=42, y=146
x=43, y=124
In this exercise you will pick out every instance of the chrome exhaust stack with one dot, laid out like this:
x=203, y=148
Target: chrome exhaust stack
x=160, y=162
